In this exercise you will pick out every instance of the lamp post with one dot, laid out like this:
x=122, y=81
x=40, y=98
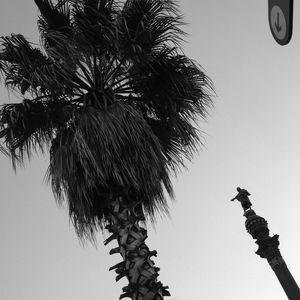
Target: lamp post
x=268, y=247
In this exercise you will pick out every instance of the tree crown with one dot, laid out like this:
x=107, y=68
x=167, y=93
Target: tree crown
x=113, y=98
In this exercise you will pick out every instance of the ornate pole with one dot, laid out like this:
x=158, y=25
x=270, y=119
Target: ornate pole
x=268, y=247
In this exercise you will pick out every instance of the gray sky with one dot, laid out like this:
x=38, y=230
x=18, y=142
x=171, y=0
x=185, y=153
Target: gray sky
x=204, y=251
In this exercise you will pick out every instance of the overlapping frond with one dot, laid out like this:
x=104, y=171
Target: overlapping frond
x=174, y=94
x=27, y=68
x=172, y=84
x=179, y=140
x=148, y=26
x=105, y=152
x=29, y=126
x=18, y=62
x=53, y=18
x=94, y=24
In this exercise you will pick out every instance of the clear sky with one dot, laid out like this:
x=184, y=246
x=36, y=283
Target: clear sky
x=204, y=252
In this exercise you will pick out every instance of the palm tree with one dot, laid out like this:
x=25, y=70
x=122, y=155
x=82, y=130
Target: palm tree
x=113, y=98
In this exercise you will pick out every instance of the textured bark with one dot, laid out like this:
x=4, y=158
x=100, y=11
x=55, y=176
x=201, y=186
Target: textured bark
x=137, y=265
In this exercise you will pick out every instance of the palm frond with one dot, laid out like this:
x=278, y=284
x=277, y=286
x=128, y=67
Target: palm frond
x=29, y=127
x=94, y=158
x=172, y=84
x=173, y=93
x=26, y=68
x=94, y=23
x=147, y=26
x=53, y=18
x=179, y=141
x=18, y=60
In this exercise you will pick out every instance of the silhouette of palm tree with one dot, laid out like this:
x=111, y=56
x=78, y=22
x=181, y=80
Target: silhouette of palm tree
x=113, y=98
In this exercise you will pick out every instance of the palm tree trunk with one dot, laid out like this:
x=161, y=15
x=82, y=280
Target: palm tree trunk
x=136, y=265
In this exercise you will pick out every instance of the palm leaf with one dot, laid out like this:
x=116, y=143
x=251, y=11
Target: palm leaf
x=147, y=26
x=93, y=158
x=172, y=84
x=94, y=23
x=29, y=126
x=53, y=18
x=173, y=93
x=19, y=60
x=28, y=69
